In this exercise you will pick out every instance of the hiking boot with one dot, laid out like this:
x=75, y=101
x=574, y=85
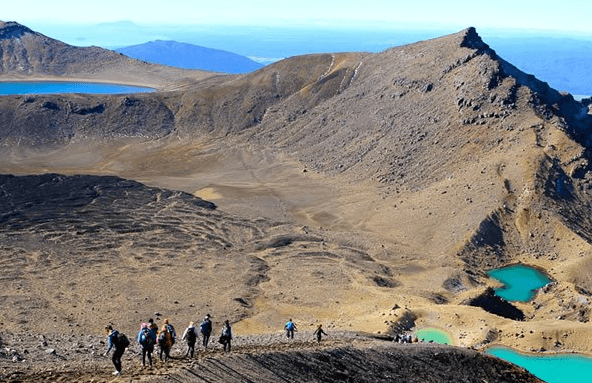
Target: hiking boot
x=116, y=372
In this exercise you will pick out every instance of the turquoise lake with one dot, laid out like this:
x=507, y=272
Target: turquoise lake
x=558, y=368
x=51, y=87
x=520, y=282
x=433, y=335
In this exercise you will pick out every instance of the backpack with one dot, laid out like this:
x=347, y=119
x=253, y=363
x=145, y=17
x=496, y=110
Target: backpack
x=171, y=331
x=205, y=327
x=122, y=341
x=146, y=338
x=162, y=339
x=290, y=326
x=191, y=336
x=226, y=331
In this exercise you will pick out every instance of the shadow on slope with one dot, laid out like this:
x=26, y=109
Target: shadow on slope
x=404, y=363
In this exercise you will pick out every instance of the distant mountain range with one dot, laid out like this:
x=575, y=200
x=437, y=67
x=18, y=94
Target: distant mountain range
x=189, y=56
x=27, y=53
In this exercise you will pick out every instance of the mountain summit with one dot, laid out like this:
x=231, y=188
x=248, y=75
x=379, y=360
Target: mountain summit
x=11, y=29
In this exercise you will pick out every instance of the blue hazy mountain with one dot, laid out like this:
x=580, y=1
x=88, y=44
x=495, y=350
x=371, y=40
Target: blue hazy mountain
x=190, y=56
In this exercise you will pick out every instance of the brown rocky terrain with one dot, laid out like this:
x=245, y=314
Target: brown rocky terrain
x=367, y=192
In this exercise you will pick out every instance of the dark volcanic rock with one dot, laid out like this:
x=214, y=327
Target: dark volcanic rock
x=30, y=200
x=401, y=363
x=12, y=30
x=490, y=302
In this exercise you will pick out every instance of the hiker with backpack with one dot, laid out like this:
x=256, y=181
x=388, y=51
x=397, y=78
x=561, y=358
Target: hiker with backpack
x=165, y=342
x=190, y=336
x=153, y=326
x=147, y=340
x=119, y=343
x=171, y=330
x=290, y=328
x=205, y=328
x=319, y=333
x=226, y=336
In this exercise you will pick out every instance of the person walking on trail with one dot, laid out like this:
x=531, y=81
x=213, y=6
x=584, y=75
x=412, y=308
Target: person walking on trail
x=146, y=340
x=165, y=342
x=226, y=336
x=118, y=342
x=319, y=333
x=205, y=328
x=290, y=328
x=171, y=329
x=190, y=336
x=153, y=326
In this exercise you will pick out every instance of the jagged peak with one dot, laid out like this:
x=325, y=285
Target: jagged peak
x=472, y=40
x=12, y=29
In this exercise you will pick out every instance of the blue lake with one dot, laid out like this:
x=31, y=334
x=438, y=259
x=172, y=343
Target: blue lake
x=54, y=87
x=520, y=282
x=558, y=368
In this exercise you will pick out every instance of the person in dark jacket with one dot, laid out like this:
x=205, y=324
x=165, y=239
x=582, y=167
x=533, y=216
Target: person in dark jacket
x=153, y=326
x=190, y=336
x=146, y=340
x=205, y=328
x=319, y=333
x=113, y=342
x=226, y=336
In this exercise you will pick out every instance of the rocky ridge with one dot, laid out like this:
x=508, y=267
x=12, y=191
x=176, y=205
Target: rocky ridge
x=29, y=55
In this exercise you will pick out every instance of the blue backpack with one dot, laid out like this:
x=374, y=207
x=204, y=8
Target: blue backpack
x=205, y=327
x=146, y=339
x=290, y=326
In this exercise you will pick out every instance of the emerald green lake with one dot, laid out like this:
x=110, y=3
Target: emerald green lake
x=55, y=87
x=520, y=282
x=558, y=368
x=433, y=335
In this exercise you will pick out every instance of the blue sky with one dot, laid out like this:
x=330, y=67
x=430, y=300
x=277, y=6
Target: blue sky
x=573, y=16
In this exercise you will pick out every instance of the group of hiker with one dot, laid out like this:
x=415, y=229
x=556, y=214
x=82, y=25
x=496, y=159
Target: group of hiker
x=151, y=336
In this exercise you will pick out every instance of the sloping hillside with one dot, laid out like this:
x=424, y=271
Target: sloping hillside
x=26, y=54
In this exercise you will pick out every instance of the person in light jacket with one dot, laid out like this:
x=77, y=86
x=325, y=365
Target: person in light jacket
x=190, y=336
